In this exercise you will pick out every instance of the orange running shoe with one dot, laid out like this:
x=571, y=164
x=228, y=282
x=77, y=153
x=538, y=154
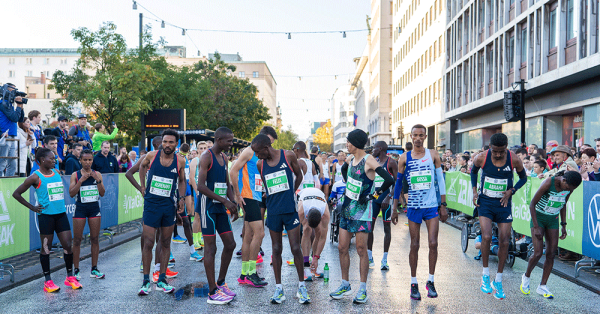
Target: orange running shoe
x=171, y=274
x=259, y=259
x=49, y=286
x=72, y=282
x=155, y=276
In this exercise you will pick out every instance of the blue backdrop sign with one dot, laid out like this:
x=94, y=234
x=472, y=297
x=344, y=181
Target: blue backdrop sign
x=591, y=220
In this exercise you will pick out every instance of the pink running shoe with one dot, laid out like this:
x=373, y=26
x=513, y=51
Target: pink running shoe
x=49, y=286
x=72, y=282
x=226, y=290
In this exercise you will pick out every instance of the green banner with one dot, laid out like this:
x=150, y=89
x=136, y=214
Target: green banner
x=459, y=194
x=14, y=220
x=520, y=207
x=131, y=202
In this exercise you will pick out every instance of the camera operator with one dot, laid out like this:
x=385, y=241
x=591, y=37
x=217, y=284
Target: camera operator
x=72, y=163
x=100, y=135
x=80, y=133
x=62, y=136
x=9, y=116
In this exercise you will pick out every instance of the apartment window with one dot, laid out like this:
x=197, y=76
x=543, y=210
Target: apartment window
x=28, y=61
x=11, y=60
x=63, y=61
x=570, y=16
x=255, y=74
x=552, y=29
x=29, y=73
x=242, y=74
x=524, y=43
x=511, y=51
x=11, y=73
x=46, y=60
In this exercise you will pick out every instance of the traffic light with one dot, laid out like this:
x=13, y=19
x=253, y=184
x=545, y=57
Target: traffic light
x=513, y=110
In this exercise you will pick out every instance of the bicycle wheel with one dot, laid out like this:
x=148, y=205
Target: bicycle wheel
x=464, y=237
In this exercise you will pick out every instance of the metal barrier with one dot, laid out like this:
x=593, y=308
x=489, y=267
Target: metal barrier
x=18, y=157
x=7, y=269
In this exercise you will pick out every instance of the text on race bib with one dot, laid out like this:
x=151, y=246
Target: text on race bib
x=258, y=185
x=187, y=173
x=277, y=182
x=160, y=186
x=555, y=204
x=378, y=182
x=221, y=190
x=308, y=185
x=89, y=194
x=353, y=188
x=55, y=191
x=421, y=180
x=494, y=188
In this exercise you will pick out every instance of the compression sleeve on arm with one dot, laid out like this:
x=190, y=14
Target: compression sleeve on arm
x=439, y=174
x=345, y=171
x=398, y=187
x=388, y=180
x=474, y=172
x=522, y=179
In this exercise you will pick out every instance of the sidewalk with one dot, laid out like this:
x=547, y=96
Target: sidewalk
x=588, y=279
x=27, y=265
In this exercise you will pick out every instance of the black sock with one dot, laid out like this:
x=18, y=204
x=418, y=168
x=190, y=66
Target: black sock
x=69, y=264
x=75, y=270
x=45, y=261
x=220, y=282
x=94, y=268
x=213, y=291
x=175, y=231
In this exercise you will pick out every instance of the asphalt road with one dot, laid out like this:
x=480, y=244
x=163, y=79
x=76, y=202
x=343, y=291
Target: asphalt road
x=457, y=281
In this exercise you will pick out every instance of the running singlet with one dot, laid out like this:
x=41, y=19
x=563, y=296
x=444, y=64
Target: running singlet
x=358, y=185
x=279, y=186
x=187, y=170
x=216, y=181
x=50, y=193
x=552, y=201
x=378, y=182
x=420, y=176
x=495, y=180
x=325, y=170
x=161, y=183
x=338, y=172
x=249, y=180
x=88, y=195
x=313, y=198
x=308, y=180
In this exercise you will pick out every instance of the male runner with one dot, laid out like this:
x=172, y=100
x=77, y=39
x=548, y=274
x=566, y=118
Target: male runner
x=356, y=215
x=325, y=180
x=493, y=203
x=248, y=188
x=310, y=178
x=213, y=184
x=196, y=231
x=277, y=168
x=51, y=215
x=166, y=173
x=87, y=188
x=382, y=203
x=547, y=204
x=423, y=170
x=314, y=215
x=337, y=167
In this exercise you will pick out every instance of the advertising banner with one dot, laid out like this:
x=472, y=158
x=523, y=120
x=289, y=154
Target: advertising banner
x=14, y=221
x=591, y=220
x=459, y=194
x=131, y=202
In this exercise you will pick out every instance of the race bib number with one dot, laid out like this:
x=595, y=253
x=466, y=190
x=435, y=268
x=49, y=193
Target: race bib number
x=353, y=188
x=421, y=180
x=258, y=185
x=378, y=181
x=187, y=173
x=89, y=194
x=555, y=204
x=277, y=182
x=308, y=185
x=494, y=188
x=56, y=191
x=221, y=190
x=160, y=186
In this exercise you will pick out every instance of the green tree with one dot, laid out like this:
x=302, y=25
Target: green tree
x=285, y=139
x=63, y=108
x=110, y=83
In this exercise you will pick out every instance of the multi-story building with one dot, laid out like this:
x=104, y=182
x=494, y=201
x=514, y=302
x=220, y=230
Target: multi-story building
x=359, y=85
x=418, y=64
x=342, y=115
x=553, y=45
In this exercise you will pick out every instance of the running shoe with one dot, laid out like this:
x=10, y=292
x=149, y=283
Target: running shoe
x=499, y=294
x=371, y=262
x=145, y=289
x=171, y=274
x=414, y=292
x=478, y=257
x=77, y=274
x=255, y=281
x=141, y=267
x=278, y=297
x=72, y=282
x=96, y=274
x=431, y=293
x=486, y=287
x=166, y=288
x=171, y=258
x=341, y=292
x=196, y=257
x=543, y=291
x=178, y=239
x=259, y=259
x=525, y=285
x=49, y=286
x=302, y=294
x=242, y=280
x=197, y=246
x=238, y=253
x=226, y=290
x=284, y=233
x=170, y=265
x=290, y=262
x=201, y=241
x=384, y=265
x=361, y=297
x=219, y=298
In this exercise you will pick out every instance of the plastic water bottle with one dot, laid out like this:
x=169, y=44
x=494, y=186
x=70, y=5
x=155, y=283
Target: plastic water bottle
x=326, y=273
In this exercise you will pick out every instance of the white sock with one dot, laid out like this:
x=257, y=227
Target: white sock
x=543, y=287
x=157, y=267
x=525, y=280
x=301, y=284
x=431, y=277
x=413, y=280
x=279, y=286
x=498, y=277
x=486, y=271
x=192, y=250
x=370, y=253
x=363, y=286
x=385, y=256
x=346, y=283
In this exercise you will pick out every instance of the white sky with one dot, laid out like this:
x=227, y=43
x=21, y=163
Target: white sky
x=47, y=24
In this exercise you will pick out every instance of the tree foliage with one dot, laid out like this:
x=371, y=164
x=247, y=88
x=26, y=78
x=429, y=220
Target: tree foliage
x=63, y=108
x=324, y=137
x=285, y=139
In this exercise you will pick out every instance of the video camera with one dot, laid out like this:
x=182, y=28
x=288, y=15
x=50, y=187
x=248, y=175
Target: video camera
x=10, y=95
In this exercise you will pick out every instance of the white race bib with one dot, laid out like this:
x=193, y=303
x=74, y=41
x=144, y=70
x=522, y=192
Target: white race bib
x=277, y=182
x=258, y=184
x=89, y=194
x=421, y=180
x=56, y=191
x=353, y=188
x=494, y=188
x=160, y=186
x=221, y=190
x=555, y=204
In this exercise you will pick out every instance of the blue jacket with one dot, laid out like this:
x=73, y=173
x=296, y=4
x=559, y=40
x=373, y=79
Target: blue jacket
x=106, y=164
x=9, y=116
x=72, y=164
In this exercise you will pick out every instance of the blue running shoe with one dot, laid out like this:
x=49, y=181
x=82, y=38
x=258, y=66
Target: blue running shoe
x=361, y=297
x=302, y=295
x=196, y=257
x=341, y=292
x=371, y=262
x=77, y=274
x=278, y=297
x=171, y=258
x=165, y=287
x=485, y=284
x=178, y=239
x=499, y=294
x=145, y=289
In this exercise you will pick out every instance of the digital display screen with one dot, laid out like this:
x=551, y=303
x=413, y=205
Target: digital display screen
x=164, y=119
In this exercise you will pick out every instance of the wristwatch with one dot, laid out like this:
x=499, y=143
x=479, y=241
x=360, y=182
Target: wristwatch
x=443, y=204
x=563, y=223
